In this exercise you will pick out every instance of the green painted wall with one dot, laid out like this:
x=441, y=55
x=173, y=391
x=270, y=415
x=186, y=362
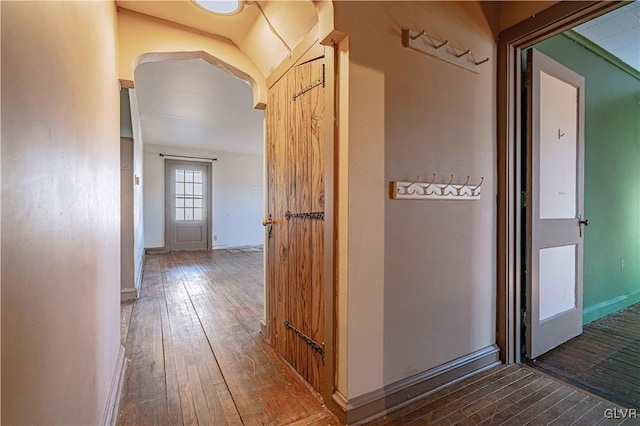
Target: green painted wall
x=126, y=129
x=612, y=178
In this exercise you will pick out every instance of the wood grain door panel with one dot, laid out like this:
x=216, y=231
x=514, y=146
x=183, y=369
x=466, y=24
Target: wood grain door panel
x=294, y=248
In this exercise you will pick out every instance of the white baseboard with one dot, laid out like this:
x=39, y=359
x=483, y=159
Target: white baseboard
x=138, y=282
x=110, y=417
x=128, y=294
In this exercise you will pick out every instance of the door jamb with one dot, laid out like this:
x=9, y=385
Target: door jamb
x=512, y=41
x=209, y=191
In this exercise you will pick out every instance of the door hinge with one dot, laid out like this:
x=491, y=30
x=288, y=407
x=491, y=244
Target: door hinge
x=309, y=215
x=316, y=83
x=314, y=345
x=523, y=199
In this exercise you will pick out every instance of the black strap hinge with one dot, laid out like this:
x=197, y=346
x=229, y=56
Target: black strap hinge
x=314, y=345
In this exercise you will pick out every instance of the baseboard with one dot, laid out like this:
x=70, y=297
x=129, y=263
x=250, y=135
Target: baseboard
x=372, y=405
x=110, y=417
x=263, y=329
x=602, y=309
x=127, y=294
x=155, y=250
x=140, y=276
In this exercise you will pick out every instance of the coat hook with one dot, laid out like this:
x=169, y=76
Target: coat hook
x=420, y=34
x=459, y=188
x=481, y=62
x=560, y=134
x=444, y=43
x=446, y=186
x=425, y=188
x=410, y=185
x=473, y=190
x=463, y=54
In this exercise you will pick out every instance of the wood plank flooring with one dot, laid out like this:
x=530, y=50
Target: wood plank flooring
x=604, y=360
x=195, y=357
x=509, y=395
x=194, y=351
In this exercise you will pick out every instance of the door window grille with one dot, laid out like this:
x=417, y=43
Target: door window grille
x=188, y=195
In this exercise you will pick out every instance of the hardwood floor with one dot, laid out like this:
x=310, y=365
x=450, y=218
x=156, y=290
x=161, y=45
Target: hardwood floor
x=194, y=351
x=604, y=360
x=195, y=357
x=509, y=395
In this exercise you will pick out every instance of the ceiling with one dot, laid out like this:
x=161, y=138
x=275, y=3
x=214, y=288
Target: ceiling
x=192, y=104
x=247, y=29
x=617, y=32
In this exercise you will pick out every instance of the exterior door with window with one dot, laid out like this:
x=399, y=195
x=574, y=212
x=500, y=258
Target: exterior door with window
x=555, y=187
x=186, y=213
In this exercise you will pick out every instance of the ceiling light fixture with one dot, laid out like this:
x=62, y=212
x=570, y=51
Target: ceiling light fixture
x=222, y=7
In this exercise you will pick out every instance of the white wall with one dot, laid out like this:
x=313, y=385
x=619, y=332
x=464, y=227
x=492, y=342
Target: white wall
x=237, y=196
x=421, y=274
x=138, y=201
x=60, y=222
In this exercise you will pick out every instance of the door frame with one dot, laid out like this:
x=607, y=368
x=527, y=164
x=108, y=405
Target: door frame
x=209, y=194
x=512, y=41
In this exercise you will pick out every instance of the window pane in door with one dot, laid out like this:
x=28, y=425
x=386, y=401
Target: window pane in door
x=188, y=196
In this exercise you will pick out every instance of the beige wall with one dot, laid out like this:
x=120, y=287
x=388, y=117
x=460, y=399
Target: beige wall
x=513, y=12
x=127, y=269
x=60, y=236
x=421, y=274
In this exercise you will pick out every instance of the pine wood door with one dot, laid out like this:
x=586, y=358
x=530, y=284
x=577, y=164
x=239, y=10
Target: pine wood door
x=295, y=209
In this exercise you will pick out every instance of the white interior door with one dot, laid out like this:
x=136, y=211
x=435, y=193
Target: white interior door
x=555, y=186
x=186, y=205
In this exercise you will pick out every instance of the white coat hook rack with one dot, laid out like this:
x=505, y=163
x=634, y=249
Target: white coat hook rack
x=436, y=191
x=421, y=42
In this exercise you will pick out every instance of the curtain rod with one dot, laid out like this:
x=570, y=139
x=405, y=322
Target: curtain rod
x=186, y=156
